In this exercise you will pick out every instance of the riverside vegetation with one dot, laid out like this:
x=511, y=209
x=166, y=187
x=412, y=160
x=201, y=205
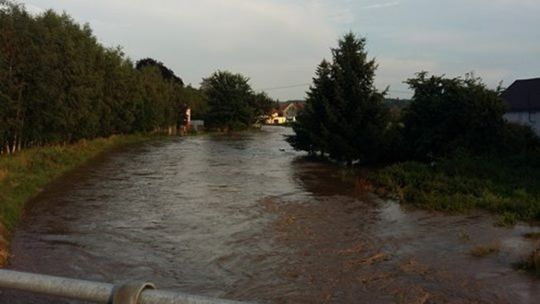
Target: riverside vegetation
x=65, y=98
x=449, y=150
x=508, y=186
x=24, y=174
x=59, y=85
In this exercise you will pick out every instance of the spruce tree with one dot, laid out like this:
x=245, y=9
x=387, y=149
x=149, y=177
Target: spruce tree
x=359, y=117
x=311, y=121
x=344, y=114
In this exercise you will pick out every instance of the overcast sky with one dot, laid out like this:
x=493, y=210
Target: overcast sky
x=279, y=43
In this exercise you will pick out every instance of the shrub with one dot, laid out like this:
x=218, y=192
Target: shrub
x=447, y=114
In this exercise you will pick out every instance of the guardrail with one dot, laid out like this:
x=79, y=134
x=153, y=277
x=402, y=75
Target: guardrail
x=132, y=293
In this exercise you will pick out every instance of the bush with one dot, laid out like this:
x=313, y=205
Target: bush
x=508, y=186
x=447, y=114
x=515, y=138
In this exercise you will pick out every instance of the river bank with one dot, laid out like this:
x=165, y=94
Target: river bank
x=23, y=175
x=508, y=187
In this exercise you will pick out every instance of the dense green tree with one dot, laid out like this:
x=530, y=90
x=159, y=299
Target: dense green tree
x=351, y=117
x=166, y=73
x=229, y=98
x=358, y=118
x=451, y=113
x=14, y=63
x=262, y=106
x=196, y=100
x=310, y=128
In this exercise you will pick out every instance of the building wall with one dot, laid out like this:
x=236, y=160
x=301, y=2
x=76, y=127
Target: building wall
x=290, y=112
x=525, y=118
x=278, y=120
x=197, y=125
x=275, y=119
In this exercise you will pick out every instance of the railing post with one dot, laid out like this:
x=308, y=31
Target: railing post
x=130, y=293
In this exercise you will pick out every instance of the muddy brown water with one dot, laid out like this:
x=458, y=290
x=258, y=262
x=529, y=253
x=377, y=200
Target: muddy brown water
x=243, y=217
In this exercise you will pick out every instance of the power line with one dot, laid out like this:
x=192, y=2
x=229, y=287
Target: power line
x=399, y=91
x=307, y=84
x=286, y=87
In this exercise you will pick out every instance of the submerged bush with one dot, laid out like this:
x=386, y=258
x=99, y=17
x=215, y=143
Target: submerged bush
x=507, y=186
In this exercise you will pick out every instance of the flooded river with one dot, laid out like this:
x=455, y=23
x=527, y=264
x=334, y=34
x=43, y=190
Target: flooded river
x=243, y=217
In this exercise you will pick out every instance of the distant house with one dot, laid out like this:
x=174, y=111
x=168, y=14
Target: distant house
x=523, y=99
x=291, y=109
x=285, y=113
x=276, y=118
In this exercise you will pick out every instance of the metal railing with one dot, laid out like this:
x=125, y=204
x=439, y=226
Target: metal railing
x=133, y=293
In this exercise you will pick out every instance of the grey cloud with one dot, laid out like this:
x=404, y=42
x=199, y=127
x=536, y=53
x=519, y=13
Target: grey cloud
x=280, y=42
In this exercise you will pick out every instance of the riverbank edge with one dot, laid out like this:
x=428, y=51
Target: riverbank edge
x=25, y=174
x=506, y=187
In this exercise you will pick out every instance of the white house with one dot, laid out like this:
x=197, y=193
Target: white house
x=285, y=113
x=291, y=110
x=276, y=118
x=523, y=99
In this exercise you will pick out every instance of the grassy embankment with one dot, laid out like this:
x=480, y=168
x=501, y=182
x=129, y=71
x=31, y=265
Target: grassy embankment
x=24, y=174
x=509, y=187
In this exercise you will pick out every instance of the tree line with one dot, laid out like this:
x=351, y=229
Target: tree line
x=59, y=85
x=345, y=118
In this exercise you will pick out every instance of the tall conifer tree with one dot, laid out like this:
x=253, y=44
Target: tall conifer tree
x=311, y=121
x=344, y=115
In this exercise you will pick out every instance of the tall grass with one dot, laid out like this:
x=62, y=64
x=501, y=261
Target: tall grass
x=24, y=174
x=508, y=186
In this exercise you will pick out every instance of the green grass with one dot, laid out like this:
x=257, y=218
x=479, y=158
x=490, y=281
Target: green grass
x=507, y=186
x=24, y=174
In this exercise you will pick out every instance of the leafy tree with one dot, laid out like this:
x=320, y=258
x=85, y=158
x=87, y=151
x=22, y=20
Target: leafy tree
x=166, y=73
x=345, y=115
x=13, y=65
x=196, y=100
x=262, y=105
x=229, y=98
x=451, y=113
